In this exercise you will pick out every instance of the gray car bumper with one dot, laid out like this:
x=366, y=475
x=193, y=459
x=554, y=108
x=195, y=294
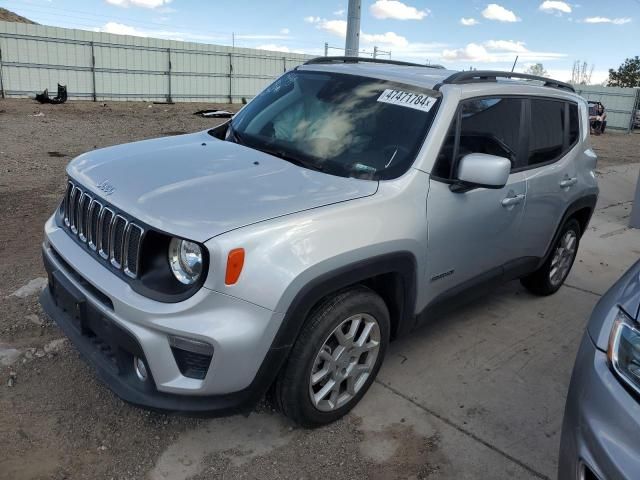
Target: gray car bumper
x=601, y=429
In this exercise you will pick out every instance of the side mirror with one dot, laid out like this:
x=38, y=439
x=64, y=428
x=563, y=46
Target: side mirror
x=482, y=170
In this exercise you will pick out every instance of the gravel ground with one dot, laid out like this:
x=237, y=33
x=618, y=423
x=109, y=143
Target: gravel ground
x=56, y=420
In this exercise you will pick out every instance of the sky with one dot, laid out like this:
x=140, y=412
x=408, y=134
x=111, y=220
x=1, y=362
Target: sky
x=458, y=35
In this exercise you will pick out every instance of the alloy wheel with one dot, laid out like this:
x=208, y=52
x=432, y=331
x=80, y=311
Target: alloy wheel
x=344, y=362
x=563, y=258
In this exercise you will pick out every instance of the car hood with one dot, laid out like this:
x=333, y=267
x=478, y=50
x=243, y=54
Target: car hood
x=625, y=294
x=196, y=186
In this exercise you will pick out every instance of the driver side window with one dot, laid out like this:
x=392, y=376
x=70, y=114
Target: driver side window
x=486, y=125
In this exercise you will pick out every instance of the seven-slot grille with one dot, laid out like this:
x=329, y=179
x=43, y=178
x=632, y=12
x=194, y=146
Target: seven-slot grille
x=104, y=231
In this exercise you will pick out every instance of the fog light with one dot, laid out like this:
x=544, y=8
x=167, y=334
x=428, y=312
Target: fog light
x=140, y=368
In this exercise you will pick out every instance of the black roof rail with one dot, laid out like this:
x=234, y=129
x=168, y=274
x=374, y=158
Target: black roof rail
x=480, y=76
x=320, y=60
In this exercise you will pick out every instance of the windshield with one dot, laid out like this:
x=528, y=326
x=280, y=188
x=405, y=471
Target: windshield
x=340, y=124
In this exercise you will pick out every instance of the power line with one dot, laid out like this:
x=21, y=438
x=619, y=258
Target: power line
x=55, y=12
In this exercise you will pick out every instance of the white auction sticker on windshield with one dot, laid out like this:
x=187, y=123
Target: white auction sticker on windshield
x=419, y=101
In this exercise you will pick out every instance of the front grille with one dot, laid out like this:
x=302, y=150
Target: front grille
x=112, y=236
x=118, y=229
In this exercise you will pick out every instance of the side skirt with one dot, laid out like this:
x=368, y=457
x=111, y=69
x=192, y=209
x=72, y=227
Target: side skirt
x=475, y=288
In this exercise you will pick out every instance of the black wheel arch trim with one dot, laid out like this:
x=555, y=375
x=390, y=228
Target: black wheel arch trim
x=403, y=263
x=588, y=201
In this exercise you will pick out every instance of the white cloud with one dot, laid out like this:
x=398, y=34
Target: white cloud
x=285, y=31
x=336, y=27
x=553, y=6
x=339, y=13
x=122, y=29
x=339, y=28
x=396, y=10
x=258, y=36
x=139, y=3
x=419, y=52
x=496, y=51
x=388, y=38
x=469, y=22
x=615, y=21
x=273, y=47
x=472, y=52
x=506, y=45
x=311, y=19
x=499, y=13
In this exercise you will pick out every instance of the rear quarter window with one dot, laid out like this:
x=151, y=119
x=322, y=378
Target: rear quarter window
x=574, y=124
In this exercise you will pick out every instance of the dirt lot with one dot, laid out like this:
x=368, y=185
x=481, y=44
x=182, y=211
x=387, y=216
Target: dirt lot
x=57, y=421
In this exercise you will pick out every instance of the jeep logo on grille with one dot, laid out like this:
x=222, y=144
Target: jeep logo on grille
x=106, y=187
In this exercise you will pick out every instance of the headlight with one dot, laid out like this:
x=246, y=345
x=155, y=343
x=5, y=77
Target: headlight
x=624, y=350
x=185, y=260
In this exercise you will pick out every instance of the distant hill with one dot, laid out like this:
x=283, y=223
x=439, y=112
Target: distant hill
x=9, y=16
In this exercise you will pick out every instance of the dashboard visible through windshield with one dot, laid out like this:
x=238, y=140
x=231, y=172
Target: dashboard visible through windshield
x=340, y=124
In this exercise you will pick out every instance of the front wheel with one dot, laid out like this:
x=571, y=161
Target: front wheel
x=550, y=277
x=335, y=359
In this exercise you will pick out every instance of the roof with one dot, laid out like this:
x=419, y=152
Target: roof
x=420, y=76
x=431, y=77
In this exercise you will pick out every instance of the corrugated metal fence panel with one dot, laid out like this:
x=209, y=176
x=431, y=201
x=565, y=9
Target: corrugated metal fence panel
x=123, y=67
x=619, y=103
x=31, y=66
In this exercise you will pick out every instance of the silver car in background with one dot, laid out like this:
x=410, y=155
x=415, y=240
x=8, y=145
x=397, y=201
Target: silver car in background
x=601, y=429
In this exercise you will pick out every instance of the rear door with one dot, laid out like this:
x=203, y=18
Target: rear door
x=550, y=169
x=472, y=234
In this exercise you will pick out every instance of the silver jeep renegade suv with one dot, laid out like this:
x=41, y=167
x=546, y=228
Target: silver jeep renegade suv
x=350, y=201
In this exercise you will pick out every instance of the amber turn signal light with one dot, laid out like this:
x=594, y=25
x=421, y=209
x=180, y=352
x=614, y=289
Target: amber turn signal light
x=235, y=262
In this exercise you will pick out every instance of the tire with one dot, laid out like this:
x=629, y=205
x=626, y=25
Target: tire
x=318, y=342
x=544, y=281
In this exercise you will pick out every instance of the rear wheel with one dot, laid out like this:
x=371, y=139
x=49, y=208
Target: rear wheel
x=335, y=359
x=550, y=277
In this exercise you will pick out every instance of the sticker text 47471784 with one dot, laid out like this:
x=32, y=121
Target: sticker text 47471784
x=418, y=101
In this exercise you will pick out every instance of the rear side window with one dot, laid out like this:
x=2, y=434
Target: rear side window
x=546, y=139
x=487, y=125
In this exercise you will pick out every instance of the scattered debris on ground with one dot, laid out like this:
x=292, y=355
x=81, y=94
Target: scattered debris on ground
x=8, y=355
x=33, y=287
x=61, y=97
x=214, y=113
x=12, y=379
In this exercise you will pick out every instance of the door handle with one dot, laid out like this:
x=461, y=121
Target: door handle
x=510, y=201
x=568, y=182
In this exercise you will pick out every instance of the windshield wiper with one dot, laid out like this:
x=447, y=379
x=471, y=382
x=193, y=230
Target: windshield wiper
x=277, y=152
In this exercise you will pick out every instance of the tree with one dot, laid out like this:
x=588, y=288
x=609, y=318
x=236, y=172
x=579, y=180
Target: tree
x=536, y=69
x=628, y=74
x=581, y=73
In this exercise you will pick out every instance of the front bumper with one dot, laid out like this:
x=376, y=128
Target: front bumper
x=601, y=428
x=127, y=325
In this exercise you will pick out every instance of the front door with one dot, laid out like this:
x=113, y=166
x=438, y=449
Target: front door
x=473, y=234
